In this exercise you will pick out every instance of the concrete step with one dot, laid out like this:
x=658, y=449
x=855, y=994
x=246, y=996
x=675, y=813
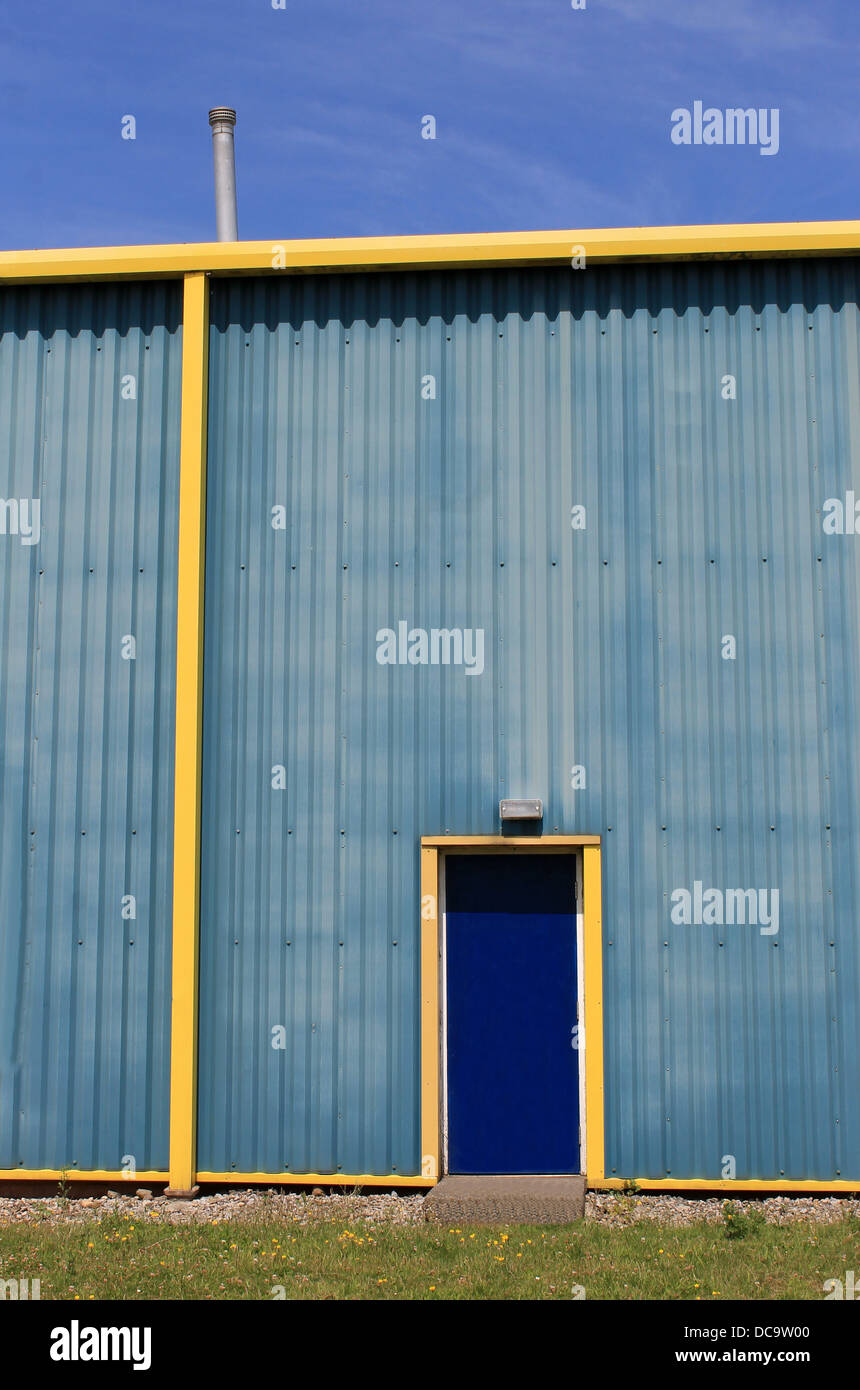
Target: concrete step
x=491, y=1200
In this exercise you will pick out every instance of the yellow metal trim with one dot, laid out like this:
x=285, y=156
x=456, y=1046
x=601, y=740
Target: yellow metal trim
x=279, y=256
x=80, y=1175
x=320, y=1179
x=412, y=1180
x=189, y=731
x=733, y=1184
x=506, y=842
x=592, y=967
x=430, y=1062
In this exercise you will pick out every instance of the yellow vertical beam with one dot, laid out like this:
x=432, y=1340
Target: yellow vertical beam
x=593, y=966
x=189, y=732
x=429, y=927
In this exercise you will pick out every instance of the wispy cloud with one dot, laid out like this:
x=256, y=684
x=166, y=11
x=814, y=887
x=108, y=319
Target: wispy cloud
x=740, y=23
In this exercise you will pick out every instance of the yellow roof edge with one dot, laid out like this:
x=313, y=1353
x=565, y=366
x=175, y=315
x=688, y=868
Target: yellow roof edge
x=600, y=245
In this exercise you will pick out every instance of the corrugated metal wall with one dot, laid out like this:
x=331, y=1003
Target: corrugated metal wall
x=604, y=649
x=86, y=757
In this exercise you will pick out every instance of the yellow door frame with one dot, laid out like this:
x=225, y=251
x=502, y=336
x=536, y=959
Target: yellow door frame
x=591, y=966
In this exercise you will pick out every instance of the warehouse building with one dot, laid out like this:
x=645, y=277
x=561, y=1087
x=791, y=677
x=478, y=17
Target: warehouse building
x=429, y=686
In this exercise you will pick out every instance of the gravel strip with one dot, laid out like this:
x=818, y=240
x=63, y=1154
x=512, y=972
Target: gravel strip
x=613, y=1209
x=397, y=1209
x=253, y=1204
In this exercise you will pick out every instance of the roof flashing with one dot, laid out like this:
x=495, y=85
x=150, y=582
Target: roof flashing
x=595, y=246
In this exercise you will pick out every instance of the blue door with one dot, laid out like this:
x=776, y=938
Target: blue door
x=513, y=1077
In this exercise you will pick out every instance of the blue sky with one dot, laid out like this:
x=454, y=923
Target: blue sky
x=547, y=117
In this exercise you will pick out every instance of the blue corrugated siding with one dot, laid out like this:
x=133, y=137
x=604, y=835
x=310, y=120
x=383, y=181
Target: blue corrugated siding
x=603, y=648
x=86, y=737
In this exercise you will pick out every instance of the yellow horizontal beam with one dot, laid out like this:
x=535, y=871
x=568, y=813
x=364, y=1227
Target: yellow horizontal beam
x=600, y=245
x=507, y=841
x=80, y=1175
x=399, y=1180
x=316, y=1179
x=730, y=1184
x=320, y=1179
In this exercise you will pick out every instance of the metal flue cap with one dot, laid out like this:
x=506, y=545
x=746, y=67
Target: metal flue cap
x=222, y=115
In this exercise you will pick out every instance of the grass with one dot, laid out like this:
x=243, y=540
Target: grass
x=148, y=1259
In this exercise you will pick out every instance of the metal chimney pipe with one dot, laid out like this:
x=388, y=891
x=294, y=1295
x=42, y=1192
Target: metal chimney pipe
x=222, y=120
